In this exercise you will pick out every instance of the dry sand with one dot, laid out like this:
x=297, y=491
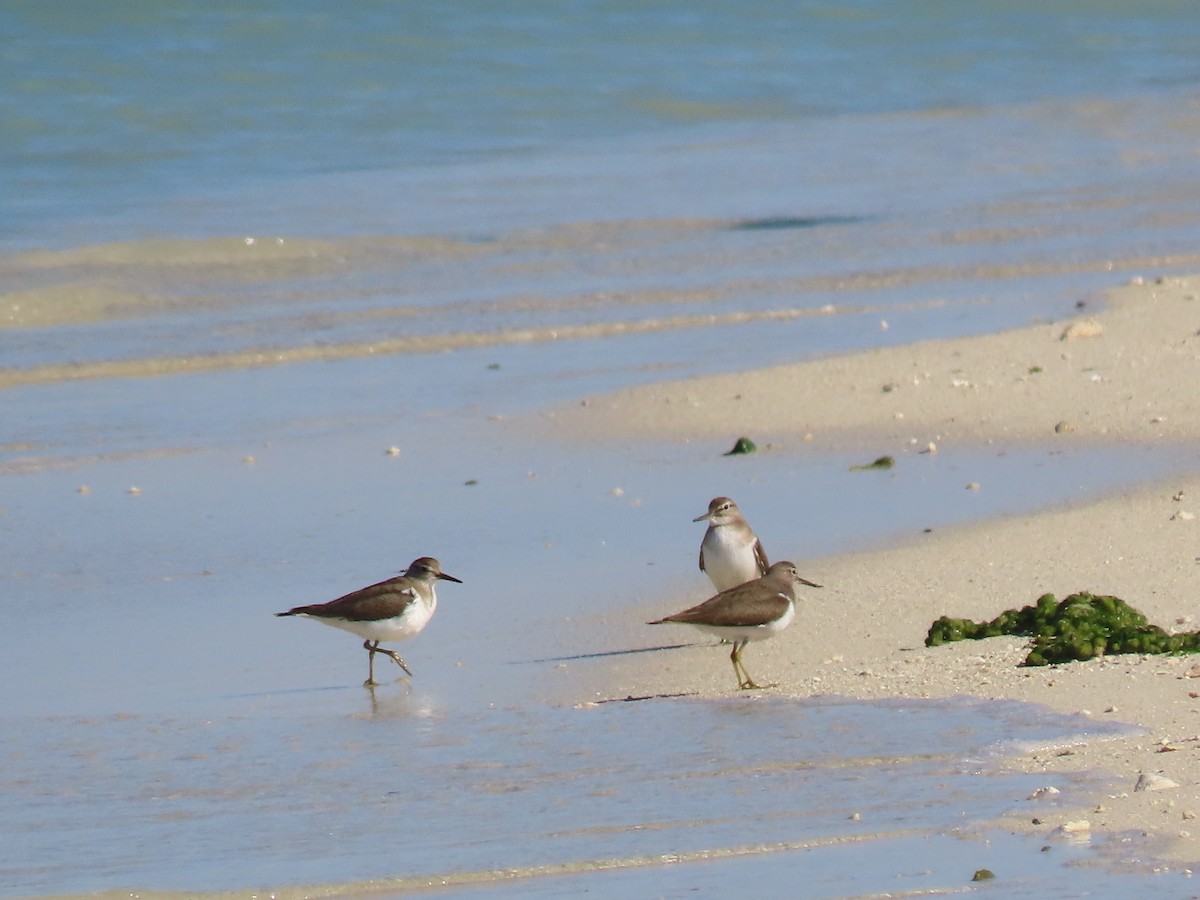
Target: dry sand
x=1128, y=373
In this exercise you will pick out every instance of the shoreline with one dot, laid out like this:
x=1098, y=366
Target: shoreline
x=1123, y=374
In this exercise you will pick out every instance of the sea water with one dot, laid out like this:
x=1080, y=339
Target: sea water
x=704, y=187
x=244, y=252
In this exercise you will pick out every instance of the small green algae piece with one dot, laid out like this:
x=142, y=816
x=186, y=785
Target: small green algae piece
x=743, y=445
x=883, y=462
x=1079, y=627
x=983, y=875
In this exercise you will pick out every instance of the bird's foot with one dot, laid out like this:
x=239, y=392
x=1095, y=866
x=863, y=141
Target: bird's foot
x=397, y=660
x=749, y=685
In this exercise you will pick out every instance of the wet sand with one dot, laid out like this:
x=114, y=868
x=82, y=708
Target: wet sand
x=1125, y=375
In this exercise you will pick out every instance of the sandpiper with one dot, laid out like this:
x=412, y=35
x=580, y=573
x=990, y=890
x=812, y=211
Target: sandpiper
x=752, y=611
x=391, y=610
x=730, y=553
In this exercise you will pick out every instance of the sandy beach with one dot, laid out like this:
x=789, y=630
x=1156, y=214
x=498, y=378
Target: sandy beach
x=1127, y=373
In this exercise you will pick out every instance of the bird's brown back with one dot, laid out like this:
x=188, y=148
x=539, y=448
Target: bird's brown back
x=377, y=601
x=748, y=610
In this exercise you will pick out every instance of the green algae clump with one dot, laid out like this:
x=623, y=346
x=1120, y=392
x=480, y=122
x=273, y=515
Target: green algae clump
x=742, y=445
x=883, y=462
x=1082, y=626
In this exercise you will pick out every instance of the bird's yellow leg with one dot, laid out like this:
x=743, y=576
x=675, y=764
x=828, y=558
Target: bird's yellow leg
x=370, y=682
x=745, y=682
x=373, y=648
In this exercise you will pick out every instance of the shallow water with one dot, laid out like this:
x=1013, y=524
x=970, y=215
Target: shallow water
x=946, y=204
x=315, y=787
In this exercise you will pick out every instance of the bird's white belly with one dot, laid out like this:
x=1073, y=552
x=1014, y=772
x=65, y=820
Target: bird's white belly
x=415, y=617
x=729, y=562
x=750, y=632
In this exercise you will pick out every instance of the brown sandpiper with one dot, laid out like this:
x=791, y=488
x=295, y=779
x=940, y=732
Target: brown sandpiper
x=752, y=611
x=391, y=610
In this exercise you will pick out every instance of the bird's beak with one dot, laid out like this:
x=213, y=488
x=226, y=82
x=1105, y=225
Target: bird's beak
x=445, y=577
x=707, y=517
x=809, y=583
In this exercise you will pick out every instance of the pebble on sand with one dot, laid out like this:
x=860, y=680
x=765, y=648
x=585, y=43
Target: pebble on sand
x=1154, y=782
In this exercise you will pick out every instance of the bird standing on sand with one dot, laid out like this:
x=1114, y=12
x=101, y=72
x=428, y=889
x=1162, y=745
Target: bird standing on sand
x=391, y=610
x=752, y=611
x=730, y=553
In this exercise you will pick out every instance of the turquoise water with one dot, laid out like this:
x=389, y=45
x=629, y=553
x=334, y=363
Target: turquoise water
x=107, y=109
x=305, y=233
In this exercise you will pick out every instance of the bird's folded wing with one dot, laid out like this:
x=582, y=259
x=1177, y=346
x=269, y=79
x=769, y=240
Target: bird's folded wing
x=760, y=558
x=377, y=601
x=747, y=611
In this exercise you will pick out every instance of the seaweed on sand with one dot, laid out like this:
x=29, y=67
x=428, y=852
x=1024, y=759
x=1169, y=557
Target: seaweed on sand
x=1081, y=626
